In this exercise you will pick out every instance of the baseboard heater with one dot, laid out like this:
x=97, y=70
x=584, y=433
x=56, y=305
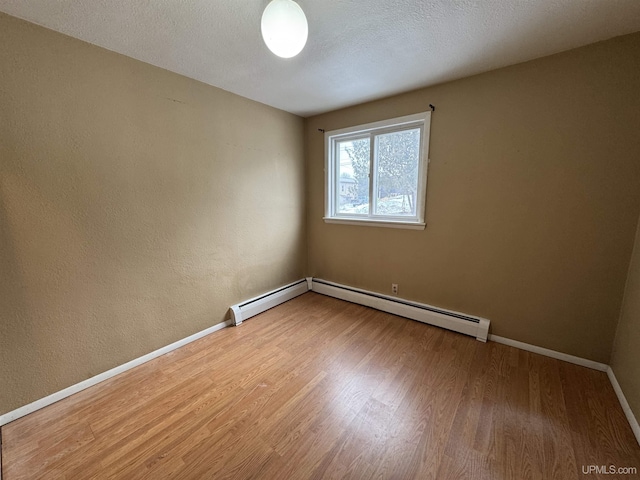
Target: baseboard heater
x=458, y=322
x=259, y=304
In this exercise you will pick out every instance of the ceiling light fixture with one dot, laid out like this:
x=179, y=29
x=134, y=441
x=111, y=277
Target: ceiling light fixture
x=284, y=28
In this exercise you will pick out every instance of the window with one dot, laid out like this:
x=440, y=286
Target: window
x=376, y=174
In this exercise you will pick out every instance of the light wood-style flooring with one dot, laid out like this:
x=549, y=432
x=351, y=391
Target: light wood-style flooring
x=320, y=388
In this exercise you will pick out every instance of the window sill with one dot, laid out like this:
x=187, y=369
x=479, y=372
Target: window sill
x=376, y=223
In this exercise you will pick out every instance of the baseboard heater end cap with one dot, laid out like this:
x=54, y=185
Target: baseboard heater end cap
x=483, y=330
x=236, y=315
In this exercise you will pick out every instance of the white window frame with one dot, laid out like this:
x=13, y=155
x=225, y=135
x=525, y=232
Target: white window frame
x=332, y=182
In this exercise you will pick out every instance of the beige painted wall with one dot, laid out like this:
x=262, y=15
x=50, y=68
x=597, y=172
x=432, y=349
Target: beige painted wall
x=136, y=206
x=625, y=360
x=532, y=199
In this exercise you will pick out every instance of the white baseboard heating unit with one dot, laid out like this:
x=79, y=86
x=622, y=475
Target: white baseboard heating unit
x=259, y=304
x=458, y=322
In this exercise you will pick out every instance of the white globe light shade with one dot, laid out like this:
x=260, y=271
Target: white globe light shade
x=284, y=28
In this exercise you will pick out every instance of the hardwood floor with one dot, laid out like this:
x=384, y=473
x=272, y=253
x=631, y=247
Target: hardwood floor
x=320, y=388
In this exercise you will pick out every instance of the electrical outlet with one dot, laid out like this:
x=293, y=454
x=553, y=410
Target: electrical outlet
x=394, y=288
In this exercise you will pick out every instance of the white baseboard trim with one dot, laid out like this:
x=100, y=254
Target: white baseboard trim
x=271, y=299
x=245, y=309
x=458, y=322
x=390, y=305
x=633, y=422
x=261, y=303
x=550, y=353
x=631, y=418
x=90, y=382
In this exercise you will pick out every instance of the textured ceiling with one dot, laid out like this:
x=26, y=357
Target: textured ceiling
x=358, y=50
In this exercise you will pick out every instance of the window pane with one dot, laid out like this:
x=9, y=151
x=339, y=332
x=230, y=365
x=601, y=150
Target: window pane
x=396, y=186
x=353, y=176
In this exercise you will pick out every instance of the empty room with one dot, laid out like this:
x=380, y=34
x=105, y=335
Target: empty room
x=286, y=239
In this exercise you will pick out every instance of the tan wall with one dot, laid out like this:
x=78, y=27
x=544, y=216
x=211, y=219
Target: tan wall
x=625, y=360
x=532, y=199
x=136, y=206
